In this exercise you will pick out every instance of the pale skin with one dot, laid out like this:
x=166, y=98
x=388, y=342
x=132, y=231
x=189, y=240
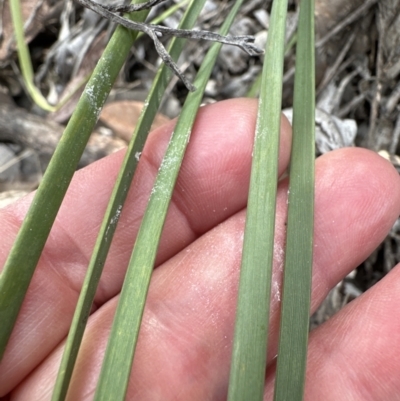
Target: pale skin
x=185, y=343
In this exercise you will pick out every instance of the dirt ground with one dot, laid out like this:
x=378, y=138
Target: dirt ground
x=358, y=64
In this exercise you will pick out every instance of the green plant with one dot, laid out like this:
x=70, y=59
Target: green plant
x=24, y=58
x=259, y=227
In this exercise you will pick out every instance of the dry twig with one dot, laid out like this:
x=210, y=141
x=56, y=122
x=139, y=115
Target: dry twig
x=155, y=31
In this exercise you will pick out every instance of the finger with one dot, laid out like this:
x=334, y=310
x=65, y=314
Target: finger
x=185, y=343
x=363, y=344
x=211, y=187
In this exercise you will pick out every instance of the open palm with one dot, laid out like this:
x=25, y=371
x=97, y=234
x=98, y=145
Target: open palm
x=185, y=341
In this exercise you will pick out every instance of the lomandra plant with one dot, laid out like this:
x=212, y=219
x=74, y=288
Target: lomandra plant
x=249, y=349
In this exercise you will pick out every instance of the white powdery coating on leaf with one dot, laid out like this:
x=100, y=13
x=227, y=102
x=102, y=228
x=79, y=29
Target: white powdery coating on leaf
x=170, y=165
x=277, y=273
x=115, y=218
x=92, y=97
x=92, y=91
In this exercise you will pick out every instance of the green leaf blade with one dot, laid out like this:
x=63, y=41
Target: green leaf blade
x=114, y=208
x=250, y=341
x=296, y=297
x=24, y=57
x=118, y=360
x=25, y=253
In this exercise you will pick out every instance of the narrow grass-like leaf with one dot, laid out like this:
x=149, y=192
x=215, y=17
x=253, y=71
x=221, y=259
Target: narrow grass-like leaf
x=295, y=309
x=115, y=205
x=255, y=86
x=24, y=58
x=249, y=348
x=27, y=248
x=117, y=363
x=254, y=90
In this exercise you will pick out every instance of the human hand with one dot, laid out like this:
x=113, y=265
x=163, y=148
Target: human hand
x=184, y=347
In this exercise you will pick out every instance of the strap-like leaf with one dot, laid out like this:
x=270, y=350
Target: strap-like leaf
x=295, y=310
x=114, y=208
x=28, y=246
x=250, y=341
x=117, y=364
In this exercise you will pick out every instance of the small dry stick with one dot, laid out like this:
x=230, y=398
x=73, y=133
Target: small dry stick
x=155, y=31
x=130, y=8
